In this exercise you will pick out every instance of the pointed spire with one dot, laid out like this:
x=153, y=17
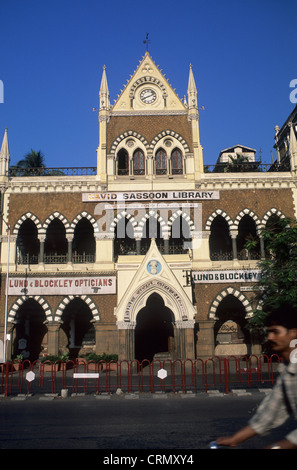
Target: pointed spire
x=104, y=92
x=4, y=152
x=192, y=90
x=293, y=146
x=4, y=155
x=191, y=84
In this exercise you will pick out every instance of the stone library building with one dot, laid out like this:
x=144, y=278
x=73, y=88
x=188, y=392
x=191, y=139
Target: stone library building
x=143, y=254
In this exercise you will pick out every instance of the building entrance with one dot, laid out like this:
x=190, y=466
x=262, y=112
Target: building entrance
x=231, y=335
x=77, y=333
x=30, y=333
x=154, y=332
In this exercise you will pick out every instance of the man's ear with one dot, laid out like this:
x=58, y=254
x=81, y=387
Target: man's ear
x=294, y=332
x=293, y=336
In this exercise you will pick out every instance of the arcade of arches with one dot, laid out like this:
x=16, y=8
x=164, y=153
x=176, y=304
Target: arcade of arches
x=155, y=332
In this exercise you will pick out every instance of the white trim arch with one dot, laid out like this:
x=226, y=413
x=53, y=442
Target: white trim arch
x=150, y=80
x=152, y=213
x=177, y=142
x=171, y=297
x=120, y=142
x=120, y=216
x=250, y=213
x=87, y=299
x=180, y=213
x=212, y=217
x=59, y=216
x=224, y=293
x=23, y=219
x=270, y=212
x=87, y=216
x=21, y=300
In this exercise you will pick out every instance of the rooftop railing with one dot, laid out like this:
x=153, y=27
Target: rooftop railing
x=59, y=171
x=254, y=167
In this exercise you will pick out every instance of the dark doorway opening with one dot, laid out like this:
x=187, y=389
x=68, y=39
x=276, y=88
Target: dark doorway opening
x=154, y=329
x=231, y=335
x=78, y=328
x=30, y=331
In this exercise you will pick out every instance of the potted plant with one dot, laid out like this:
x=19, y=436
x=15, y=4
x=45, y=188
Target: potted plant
x=17, y=363
x=92, y=361
x=63, y=359
x=50, y=363
x=109, y=362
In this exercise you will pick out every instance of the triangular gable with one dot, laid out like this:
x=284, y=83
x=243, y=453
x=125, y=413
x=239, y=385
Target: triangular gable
x=148, y=76
x=154, y=275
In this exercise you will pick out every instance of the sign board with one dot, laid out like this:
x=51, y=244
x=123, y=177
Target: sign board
x=62, y=285
x=86, y=376
x=30, y=376
x=151, y=196
x=162, y=374
x=234, y=275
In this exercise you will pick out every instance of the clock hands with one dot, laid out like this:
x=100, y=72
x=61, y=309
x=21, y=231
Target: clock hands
x=148, y=96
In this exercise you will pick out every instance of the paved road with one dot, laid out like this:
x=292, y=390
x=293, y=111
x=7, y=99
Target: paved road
x=125, y=422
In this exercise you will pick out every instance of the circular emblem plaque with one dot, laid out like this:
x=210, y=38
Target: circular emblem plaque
x=154, y=267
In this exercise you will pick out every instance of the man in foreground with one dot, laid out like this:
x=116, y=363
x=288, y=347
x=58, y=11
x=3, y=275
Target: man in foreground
x=281, y=403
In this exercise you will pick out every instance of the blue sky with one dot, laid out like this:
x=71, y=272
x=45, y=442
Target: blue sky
x=52, y=52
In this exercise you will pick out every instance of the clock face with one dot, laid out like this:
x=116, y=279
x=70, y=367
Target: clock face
x=148, y=96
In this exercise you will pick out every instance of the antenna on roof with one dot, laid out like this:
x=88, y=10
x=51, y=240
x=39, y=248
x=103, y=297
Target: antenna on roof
x=147, y=41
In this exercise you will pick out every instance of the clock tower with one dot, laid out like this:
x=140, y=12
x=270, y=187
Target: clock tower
x=149, y=115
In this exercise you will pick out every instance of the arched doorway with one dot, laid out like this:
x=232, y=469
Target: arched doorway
x=154, y=329
x=30, y=334
x=77, y=333
x=231, y=335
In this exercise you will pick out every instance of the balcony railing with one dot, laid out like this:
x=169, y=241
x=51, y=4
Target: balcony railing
x=221, y=256
x=248, y=254
x=58, y=171
x=14, y=171
x=254, y=167
x=83, y=258
x=143, y=249
x=27, y=259
x=55, y=258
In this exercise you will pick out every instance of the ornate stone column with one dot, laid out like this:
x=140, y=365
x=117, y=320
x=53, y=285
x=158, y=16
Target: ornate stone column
x=106, y=338
x=185, y=345
x=126, y=340
x=53, y=336
x=138, y=243
x=234, y=234
x=69, y=237
x=205, y=344
x=41, y=248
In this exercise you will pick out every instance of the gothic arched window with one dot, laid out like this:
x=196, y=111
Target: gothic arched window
x=28, y=244
x=176, y=162
x=138, y=162
x=247, y=231
x=123, y=162
x=220, y=242
x=83, y=245
x=161, y=162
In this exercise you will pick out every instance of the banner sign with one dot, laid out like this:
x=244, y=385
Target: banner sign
x=246, y=275
x=151, y=195
x=62, y=285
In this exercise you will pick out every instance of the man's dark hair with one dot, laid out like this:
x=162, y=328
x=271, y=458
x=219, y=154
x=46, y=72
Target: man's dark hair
x=285, y=315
